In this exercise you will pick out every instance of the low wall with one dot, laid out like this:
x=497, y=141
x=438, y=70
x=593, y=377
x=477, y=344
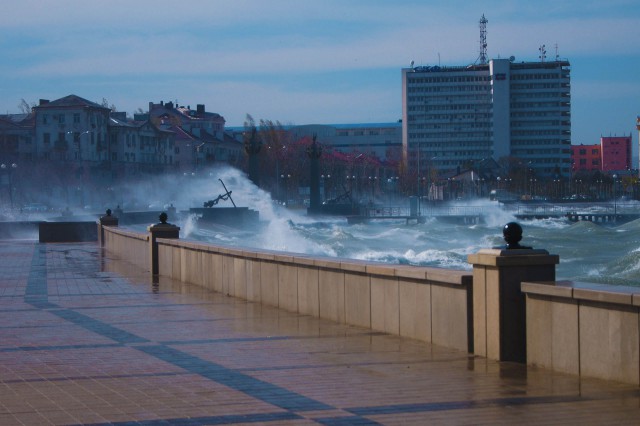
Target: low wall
x=586, y=329
x=65, y=232
x=19, y=230
x=128, y=245
x=429, y=304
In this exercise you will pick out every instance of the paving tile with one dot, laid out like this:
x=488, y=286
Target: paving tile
x=87, y=339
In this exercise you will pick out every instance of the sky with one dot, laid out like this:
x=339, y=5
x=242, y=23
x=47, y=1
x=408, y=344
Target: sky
x=309, y=61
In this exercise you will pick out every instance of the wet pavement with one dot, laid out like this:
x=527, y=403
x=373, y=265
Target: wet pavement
x=86, y=339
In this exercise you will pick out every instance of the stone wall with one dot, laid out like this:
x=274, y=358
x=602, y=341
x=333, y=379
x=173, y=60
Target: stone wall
x=130, y=246
x=586, y=329
x=428, y=304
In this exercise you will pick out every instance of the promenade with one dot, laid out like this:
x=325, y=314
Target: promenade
x=87, y=339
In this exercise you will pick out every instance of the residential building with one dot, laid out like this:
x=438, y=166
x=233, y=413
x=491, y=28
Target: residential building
x=453, y=116
x=201, y=136
x=616, y=153
x=71, y=128
x=586, y=158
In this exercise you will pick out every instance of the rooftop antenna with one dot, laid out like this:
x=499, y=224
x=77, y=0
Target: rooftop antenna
x=543, y=53
x=483, y=39
x=557, y=54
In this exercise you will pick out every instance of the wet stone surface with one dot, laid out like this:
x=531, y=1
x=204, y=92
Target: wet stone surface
x=87, y=339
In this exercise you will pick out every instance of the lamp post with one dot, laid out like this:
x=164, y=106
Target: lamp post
x=9, y=168
x=285, y=178
x=615, y=190
x=325, y=183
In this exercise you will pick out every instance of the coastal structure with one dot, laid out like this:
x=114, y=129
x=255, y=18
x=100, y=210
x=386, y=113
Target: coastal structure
x=454, y=115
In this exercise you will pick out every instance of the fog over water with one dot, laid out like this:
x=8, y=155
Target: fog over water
x=588, y=252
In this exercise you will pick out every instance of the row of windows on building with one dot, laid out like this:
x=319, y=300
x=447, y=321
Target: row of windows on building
x=538, y=95
x=372, y=132
x=448, y=89
x=449, y=135
x=549, y=105
x=536, y=142
x=539, y=76
x=485, y=98
x=452, y=79
x=61, y=118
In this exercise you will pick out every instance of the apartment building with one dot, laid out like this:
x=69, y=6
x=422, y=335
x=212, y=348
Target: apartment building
x=457, y=115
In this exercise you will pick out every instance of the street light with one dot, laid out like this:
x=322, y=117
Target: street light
x=615, y=205
x=9, y=168
x=285, y=178
x=325, y=182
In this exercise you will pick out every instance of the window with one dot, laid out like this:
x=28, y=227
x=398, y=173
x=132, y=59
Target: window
x=61, y=119
x=76, y=118
x=45, y=118
x=47, y=138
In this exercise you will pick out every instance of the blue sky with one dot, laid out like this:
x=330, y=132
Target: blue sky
x=302, y=62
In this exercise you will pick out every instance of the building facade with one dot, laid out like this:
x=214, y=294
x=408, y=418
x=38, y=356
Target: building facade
x=616, y=153
x=452, y=116
x=381, y=140
x=586, y=158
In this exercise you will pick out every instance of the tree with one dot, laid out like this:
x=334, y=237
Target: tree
x=25, y=106
x=105, y=103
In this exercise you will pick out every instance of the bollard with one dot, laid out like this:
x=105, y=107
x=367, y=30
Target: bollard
x=160, y=230
x=499, y=306
x=106, y=220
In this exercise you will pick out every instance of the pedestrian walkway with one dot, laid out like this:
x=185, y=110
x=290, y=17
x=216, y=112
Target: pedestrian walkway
x=90, y=340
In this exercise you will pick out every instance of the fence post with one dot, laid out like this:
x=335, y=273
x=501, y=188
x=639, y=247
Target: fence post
x=499, y=306
x=106, y=220
x=160, y=230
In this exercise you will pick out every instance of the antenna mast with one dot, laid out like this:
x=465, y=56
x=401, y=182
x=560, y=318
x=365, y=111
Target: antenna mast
x=543, y=53
x=483, y=39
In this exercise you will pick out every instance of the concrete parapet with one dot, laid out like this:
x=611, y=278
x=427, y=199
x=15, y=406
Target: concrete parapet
x=67, y=232
x=392, y=298
x=499, y=309
x=106, y=220
x=591, y=330
x=128, y=245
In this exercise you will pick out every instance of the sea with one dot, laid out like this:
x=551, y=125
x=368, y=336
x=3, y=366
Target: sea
x=588, y=251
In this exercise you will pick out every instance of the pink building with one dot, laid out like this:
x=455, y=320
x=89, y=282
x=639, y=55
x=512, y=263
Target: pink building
x=586, y=157
x=616, y=153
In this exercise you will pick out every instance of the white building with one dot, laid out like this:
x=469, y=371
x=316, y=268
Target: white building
x=454, y=116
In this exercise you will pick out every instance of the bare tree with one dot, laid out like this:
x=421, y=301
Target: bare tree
x=25, y=106
x=105, y=103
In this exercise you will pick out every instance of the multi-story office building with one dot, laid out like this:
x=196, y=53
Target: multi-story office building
x=455, y=116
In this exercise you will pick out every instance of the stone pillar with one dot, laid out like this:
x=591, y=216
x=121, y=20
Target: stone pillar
x=499, y=306
x=106, y=220
x=160, y=230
